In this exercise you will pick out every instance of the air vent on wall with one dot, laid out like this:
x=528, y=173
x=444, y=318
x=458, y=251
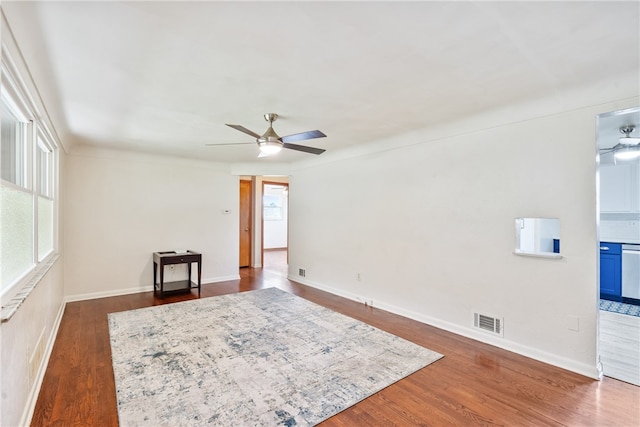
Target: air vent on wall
x=488, y=323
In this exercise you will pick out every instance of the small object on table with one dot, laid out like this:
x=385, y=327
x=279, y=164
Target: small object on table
x=160, y=259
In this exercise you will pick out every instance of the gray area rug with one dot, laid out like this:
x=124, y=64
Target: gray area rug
x=259, y=358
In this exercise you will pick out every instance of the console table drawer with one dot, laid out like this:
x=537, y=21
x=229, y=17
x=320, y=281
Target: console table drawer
x=181, y=259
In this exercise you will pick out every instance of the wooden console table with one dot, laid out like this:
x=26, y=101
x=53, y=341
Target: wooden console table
x=160, y=259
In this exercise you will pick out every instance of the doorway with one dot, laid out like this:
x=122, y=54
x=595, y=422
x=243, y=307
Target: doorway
x=246, y=188
x=275, y=226
x=619, y=228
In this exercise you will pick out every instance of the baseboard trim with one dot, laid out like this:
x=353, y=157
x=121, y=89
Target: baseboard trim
x=32, y=399
x=221, y=279
x=523, y=350
x=106, y=294
x=139, y=289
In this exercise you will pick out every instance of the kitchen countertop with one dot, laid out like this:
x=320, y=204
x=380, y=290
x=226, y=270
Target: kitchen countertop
x=627, y=241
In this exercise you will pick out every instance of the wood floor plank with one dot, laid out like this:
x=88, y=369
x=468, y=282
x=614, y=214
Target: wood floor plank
x=474, y=384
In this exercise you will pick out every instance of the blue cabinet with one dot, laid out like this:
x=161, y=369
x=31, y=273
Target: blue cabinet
x=611, y=271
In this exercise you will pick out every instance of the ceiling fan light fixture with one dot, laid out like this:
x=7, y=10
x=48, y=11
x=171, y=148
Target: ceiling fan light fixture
x=270, y=146
x=627, y=153
x=629, y=140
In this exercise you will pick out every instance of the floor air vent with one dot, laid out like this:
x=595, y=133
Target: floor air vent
x=488, y=323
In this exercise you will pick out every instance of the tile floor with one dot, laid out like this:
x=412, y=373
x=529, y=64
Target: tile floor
x=619, y=307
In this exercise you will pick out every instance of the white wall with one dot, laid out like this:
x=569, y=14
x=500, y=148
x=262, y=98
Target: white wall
x=122, y=207
x=428, y=226
x=39, y=314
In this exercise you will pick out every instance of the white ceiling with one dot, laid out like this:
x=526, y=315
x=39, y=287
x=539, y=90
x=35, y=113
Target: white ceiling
x=166, y=76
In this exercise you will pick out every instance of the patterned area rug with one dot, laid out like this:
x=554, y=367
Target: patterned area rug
x=259, y=358
x=620, y=307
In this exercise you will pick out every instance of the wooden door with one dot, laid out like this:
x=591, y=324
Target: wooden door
x=245, y=223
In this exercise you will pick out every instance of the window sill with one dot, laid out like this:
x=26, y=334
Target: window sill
x=10, y=308
x=538, y=254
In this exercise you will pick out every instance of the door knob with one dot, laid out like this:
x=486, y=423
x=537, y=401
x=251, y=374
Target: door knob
x=246, y=229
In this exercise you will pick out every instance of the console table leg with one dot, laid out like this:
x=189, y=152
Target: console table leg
x=199, y=276
x=161, y=279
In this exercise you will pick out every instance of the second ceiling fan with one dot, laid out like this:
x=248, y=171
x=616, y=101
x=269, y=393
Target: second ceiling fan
x=270, y=142
x=627, y=148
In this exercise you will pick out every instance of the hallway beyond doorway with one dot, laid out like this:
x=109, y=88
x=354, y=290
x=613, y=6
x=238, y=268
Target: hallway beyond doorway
x=275, y=261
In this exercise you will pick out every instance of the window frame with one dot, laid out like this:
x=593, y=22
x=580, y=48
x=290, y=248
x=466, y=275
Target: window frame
x=43, y=147
x=37, y=139
x=41, y=138
x=11, y=96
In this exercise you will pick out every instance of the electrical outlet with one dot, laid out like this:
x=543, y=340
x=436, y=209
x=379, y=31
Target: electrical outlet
x=358, y=277
x=302, y=272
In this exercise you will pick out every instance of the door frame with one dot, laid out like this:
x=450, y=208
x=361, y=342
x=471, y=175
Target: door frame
x=599, y=118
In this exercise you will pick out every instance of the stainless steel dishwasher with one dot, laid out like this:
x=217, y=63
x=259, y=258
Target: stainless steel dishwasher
x=631, y=271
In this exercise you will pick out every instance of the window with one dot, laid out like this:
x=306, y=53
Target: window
x=44, y=161
x=45, y=203
x=13, y=139
x=28, y=219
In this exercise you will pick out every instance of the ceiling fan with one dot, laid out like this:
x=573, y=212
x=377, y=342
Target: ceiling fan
x=627, y=148
x=271, y=143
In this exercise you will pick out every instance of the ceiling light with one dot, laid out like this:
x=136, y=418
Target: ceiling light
x=269, y=146
x=627, y=153
x=629, y=140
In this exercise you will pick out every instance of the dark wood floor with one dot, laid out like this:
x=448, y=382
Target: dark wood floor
x=474, y=384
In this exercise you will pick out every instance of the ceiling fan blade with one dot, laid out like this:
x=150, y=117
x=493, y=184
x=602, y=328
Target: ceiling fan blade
x=231, y=143
x=244, y=129
x=302, y=136
x=304, y=148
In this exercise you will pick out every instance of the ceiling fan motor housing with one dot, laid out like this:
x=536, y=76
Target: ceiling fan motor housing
x=269, y=135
